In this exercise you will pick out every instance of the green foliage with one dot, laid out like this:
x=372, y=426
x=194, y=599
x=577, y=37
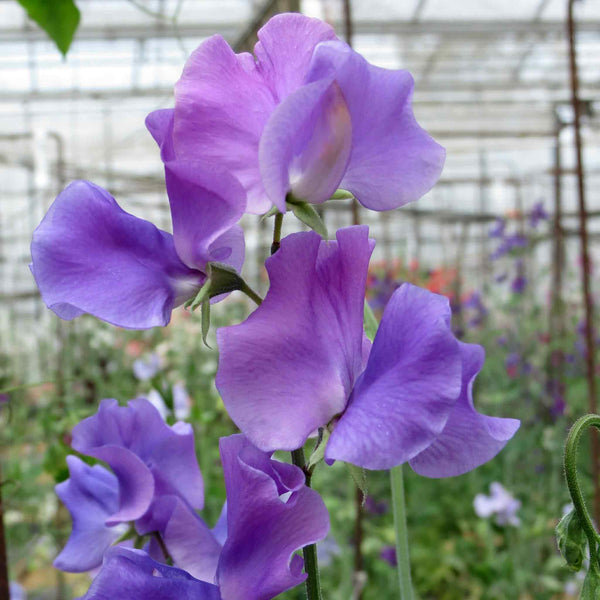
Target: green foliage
x=58, y=18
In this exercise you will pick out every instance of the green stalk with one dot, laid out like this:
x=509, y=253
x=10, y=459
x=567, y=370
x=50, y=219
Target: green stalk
x=402, y=555
x=311, y=565
x=571, y=451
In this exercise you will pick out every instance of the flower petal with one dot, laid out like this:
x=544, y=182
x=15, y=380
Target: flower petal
x=91, y=256
x=403, y=399
x=393, y=161
x=160, y=125
x=132, y=574
x=148, y=457
x=264, y=530
x=206, y=202
x=221, y=106
x=285, y=48
x=290, y=367
x=306, y=144
x=469, y=438
x=91, y=495
x=188, y=539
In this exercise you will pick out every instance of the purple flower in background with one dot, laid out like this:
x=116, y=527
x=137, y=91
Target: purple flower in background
x=519, y=283
x=388, y=553
x=406, y=399
x=147, y=367
x=17, y=591
x=304, y=115
x=91, y=495
x=509, y=243
x=538, y=213
x=376, y=507
x=182, y=403
x=90, y=256
x=497, y=229
x=500, y=503
x=149, y=458
x=270, y=513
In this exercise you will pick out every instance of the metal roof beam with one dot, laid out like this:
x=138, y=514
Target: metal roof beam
x=465, y=29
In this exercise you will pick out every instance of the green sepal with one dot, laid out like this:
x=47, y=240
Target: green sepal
x=359, y=475
x=370, y=322
x=58, y=18
x=205, y=321
x=306, y=213
x=220, y=279
x=572, y=541
x=274, y=210
x=319, y=452
x=342, y=195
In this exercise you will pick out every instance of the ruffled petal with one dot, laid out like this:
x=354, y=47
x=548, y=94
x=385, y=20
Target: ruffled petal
x=393, y=160
x=91, y=495
x=221, y=107
x=133, y=575
x=148, y=457
x=403, y=400
x=306, y=144
x=160, y=125
x=469, y=438
x=206, y=202
x=290, y=367
x=264, y=527
x=90, y=256
x=190, y=542
x=285, y=48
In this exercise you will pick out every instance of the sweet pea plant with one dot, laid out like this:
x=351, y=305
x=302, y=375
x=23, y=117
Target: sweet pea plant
x=304, y=120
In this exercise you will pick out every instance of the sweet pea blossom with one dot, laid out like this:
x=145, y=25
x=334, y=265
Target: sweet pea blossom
x=301, y=361
x=304, y=116
x=149, y=458
x=500, y=503
x=269, y=514
x=91, y=494
x=90, y=256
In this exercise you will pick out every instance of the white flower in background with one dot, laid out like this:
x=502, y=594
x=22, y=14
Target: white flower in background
x=181, y=402
x=147, y=367
x=154, y=397
x=501, y=503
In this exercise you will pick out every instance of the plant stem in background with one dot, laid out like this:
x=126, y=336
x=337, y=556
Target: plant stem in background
x=4, y=586
x=277, y=233
x=402, y=555
x=585, y=258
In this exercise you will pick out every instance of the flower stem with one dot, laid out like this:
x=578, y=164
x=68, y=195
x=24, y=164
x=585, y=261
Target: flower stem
x=571, y=451
x=277, y=233
x=311, y=566
x=402, y=555
x=246, y=289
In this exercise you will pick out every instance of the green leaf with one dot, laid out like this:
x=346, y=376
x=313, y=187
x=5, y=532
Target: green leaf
x=371, y=324
x=342, y=195
x=360, y=477
x=58, y=18
x=309, y=216
x=572, y=541
x=202, y=294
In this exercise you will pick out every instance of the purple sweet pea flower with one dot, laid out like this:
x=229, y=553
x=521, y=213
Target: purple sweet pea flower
x=388, y=553
x=91, y=494
x=305, y=116
x=132, y=574
x=149, y=458
x=538, y=213
x=270, y=513
x=282, y=379
x=497, y=229
x=500, y=503
x=90, y=256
